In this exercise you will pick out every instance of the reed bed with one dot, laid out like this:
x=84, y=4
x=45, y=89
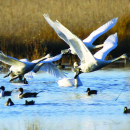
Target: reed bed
x=25, y=33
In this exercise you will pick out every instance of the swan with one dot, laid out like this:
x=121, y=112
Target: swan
x=89, y=62
x=67, y=82
x=87, y=41
x=19, y=68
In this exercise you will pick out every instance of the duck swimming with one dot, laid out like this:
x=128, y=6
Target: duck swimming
x=89, y=92
x=29, y=102
x=27, y=94
x=9, y=102
x=126, y=110
x=5, y=93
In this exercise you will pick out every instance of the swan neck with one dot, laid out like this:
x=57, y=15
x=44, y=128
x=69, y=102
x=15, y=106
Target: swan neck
x=43, y=58
x=115, y=59
x=76, y=82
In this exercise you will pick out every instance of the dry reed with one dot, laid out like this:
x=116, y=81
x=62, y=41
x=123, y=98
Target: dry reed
x=25, y=33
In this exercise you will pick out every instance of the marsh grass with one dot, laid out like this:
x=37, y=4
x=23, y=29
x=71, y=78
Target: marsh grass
x=25, y=33
x=58, y=124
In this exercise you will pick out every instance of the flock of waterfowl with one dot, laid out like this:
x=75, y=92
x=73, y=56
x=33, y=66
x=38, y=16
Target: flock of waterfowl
x=21, y=69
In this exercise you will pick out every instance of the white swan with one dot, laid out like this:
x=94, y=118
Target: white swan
x=89, y=62
x=67, y=82
x=19, y=68
x=89, y=40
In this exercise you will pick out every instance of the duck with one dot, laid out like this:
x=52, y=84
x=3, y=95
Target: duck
x=9, y=102
x=21, y=67
x=68, y=82
x=5, y=93
x=88, y=61
x=89, y=92
x=88, y=42
x=29, y=102
x=126, y=110
x=27, y=94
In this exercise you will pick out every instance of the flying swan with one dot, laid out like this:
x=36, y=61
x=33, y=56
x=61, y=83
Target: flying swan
x=19, y=68
x=89, y=40
x=89, y=62
x=92, y=62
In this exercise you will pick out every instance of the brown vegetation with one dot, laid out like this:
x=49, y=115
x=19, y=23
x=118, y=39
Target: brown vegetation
x=25, y=33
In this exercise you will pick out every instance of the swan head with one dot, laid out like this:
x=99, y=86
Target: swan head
x=2, y=88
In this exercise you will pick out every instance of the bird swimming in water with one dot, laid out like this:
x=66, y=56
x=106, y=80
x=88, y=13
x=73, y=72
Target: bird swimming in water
x=67, y=82
x=27, y=94
x=29, y=102
x=126, y=110
x=9, y=102
x=5, y=93
x=89, y=92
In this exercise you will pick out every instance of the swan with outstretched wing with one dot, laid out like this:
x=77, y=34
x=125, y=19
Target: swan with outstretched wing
x=21, y=67
x=89, y=62
x=49, y=67
x=88, y=41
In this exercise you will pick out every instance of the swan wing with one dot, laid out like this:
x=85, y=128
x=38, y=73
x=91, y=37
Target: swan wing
x=52, y=59
x=29, y=75
x=10, y=60
x=109, y=44
x=24, y=60
x=101, y=30
x=50, y=68
x=52, y=24
x=41, y=59
x=78, y=46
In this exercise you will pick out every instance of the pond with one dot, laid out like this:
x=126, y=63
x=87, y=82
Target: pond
x=70, y=108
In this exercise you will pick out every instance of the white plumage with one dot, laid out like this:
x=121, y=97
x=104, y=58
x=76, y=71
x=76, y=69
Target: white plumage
x=67, y=82
x=89, y=62
x=21, y=67
x=88, y=41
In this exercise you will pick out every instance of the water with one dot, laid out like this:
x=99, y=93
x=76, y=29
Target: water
x=69, y=108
